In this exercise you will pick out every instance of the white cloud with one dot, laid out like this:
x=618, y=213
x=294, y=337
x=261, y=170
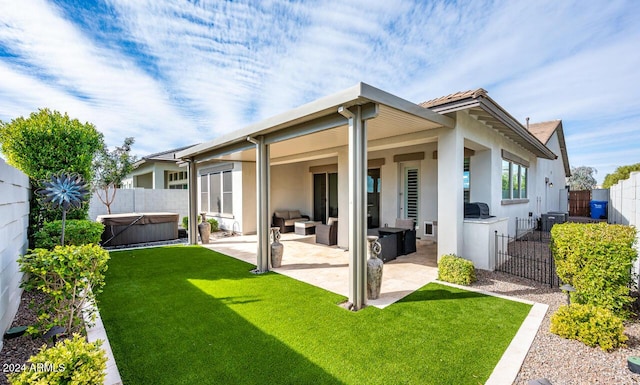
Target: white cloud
x=190, y=71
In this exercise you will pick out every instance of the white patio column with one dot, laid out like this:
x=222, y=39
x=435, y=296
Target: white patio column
x=450, y=192
x=263, y=221
x=193, y=203
x=357, y=207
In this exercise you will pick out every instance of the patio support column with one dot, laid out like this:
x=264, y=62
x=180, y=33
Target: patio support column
x=450, y=192
x=193, y=203
x=357, y=207
x=262, y=192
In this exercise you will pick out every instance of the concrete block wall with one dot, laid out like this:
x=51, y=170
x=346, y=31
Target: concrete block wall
x=14, y=221
x=142, y=200
x=624, y=206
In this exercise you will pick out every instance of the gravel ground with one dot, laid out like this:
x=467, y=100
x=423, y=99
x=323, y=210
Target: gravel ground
x=17, y=351
x=559, y=360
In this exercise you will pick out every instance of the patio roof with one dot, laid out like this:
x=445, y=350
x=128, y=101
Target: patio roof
x=394, y=116
x=486, y=110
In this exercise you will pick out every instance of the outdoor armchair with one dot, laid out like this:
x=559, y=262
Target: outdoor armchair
x=327, y=234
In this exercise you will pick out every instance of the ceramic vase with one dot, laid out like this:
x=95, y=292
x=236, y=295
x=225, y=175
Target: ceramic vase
x=277, y=248
x=204, y=229
x=374, y=268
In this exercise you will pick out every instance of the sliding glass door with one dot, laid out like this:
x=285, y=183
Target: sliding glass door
x=325, y=196
x=373, y=198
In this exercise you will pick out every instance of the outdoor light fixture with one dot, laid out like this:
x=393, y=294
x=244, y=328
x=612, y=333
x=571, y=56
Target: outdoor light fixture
x=550, y=184
x=568, y=288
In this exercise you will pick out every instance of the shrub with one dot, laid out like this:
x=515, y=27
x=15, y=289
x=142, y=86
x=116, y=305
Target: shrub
x=76, y=232
x=454, y=269
x=70, y=276
x=185, y=222
x=596, y=259
x=72, y=361
x=590, y=325
x=214, y=224
x=49, y=142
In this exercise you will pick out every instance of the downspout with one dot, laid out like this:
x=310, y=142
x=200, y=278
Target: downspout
x=193, y=202
x=262, y=204
x=357, y=206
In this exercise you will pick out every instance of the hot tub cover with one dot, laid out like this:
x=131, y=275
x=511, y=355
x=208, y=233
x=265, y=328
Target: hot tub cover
x=147, y=218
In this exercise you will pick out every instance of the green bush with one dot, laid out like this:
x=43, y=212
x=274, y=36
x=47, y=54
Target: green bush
x=48, y=142
x=596, y=259
x=590, y=325
x=185, y=222
x=456, y=270
x=70, y=276
x=76, y=232
x=214, y=224
x=72, y=361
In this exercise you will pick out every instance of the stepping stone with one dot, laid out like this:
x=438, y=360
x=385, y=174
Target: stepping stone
x=539, y=381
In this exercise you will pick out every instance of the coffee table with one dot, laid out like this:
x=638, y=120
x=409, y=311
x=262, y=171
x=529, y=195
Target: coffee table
x=305, y=227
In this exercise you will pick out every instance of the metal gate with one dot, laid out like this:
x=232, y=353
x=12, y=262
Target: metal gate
x=527, y=256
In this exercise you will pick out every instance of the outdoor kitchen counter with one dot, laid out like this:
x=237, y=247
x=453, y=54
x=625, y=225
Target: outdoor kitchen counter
x=479, y=240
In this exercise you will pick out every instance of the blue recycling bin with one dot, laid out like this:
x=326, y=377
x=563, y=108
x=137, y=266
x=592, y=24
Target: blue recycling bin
x=598, y=209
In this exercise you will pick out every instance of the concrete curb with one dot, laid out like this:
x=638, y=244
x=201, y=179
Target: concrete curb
x=97, y=332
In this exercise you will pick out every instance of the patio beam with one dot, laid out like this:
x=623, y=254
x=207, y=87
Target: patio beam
x=368, y=111
x=357, y=206
x=193, y=202
x=262, y=193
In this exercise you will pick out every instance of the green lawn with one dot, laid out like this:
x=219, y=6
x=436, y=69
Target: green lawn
x=188, y=315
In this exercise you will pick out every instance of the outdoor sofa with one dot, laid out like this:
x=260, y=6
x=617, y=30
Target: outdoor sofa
x=286, y=219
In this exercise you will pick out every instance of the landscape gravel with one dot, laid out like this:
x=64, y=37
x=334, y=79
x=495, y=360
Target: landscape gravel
x=562, y=361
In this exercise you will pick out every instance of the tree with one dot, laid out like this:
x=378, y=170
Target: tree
x=48, y=143
x=109, y=168
x=582, y=178
x=621, y=173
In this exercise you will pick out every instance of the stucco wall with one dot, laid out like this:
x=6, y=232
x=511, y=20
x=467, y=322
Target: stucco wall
x=554, y=170
x=14, y=220
x=491, y=143
x=141, y=200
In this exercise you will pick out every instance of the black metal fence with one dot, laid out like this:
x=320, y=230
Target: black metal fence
x=527, y=255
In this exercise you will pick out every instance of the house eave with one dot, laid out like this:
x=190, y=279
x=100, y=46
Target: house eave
x=490, y=113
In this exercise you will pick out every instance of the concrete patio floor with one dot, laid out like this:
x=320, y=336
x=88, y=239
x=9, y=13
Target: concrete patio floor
x=327, y=267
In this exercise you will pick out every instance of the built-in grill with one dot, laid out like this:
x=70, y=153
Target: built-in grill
x=476, y=210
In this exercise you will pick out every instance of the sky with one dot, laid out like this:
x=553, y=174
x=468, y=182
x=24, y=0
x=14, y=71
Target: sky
x=172, y=73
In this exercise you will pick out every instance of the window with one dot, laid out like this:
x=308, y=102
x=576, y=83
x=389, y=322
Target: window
x=216, y=192
x=175, y=180
x=465, y=180
x=514, y=180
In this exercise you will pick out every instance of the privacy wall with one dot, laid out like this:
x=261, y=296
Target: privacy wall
x=624, y=206
x=140, y=200
x=14, y=220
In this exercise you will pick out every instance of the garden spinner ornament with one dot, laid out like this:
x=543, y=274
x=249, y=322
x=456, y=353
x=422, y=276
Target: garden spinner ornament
x=66, y=191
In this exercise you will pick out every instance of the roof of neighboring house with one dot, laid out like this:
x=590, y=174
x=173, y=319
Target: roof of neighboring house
x=164, y=156
x=544, y=131
x=485, y=109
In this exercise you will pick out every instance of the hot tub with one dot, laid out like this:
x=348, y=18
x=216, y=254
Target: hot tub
x=131, y=228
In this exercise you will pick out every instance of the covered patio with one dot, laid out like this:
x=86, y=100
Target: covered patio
x=328, y=267
x=341, y=131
